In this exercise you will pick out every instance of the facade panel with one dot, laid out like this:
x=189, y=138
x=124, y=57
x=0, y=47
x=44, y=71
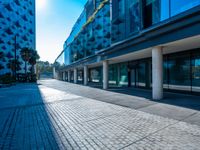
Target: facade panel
x=17, y=30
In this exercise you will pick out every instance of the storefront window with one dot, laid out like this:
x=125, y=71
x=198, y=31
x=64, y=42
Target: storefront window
x=71, y=75
x=165, y=73
x=80, y=75
x=196, y=72
x=123, y=79
x=113, y=74
x=179, y=72
x=96, y=75
x=141, y=75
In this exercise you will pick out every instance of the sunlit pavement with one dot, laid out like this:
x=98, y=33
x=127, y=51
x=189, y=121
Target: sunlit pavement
x=42, y=116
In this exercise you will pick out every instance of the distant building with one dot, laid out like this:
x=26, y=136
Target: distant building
x=151, y=44
x=17, y=30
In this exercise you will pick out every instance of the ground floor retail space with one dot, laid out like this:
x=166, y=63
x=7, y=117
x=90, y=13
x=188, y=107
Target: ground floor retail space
x=180, y=73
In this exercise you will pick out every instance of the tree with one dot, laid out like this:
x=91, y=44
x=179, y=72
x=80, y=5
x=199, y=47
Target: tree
x=33, y=58
x=25, y=55
x=14, y=65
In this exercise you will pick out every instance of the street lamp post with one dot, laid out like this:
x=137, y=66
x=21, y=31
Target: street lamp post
x=15, y=57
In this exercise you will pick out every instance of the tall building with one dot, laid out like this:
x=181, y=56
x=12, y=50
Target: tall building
x=17, y=30
x=151, y=44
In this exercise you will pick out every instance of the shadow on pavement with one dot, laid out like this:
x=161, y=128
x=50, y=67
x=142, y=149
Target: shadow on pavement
x=26, y=122
x=177, y=99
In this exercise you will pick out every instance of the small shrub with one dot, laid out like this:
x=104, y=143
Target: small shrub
x=7, y=79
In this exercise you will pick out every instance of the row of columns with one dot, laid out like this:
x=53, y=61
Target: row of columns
x=157, y=74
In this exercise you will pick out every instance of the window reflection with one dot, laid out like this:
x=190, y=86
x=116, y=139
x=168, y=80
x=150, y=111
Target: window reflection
x=134, y=15
x=96, y=75
x=179, y=72
x=178, y=6
x=123, y=79
x=151, y=12
x=196, y=72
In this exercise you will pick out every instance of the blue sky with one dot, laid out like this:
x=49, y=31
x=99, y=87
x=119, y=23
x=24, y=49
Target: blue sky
x=54, y=21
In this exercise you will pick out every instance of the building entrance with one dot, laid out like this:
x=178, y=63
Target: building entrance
x=140, y=74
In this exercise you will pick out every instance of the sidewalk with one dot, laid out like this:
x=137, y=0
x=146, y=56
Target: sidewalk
x=41, y=116
x=174, y=106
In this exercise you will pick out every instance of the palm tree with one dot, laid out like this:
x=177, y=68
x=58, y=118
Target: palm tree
x=26, y=55
x=34, y=57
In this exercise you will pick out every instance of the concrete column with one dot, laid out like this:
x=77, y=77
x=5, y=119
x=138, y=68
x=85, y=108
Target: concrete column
x=157, y=73
x=105, y=74
x=68, y=73
x=75, y=76
x=54, y=73
x=85, y=70
x=64, y=76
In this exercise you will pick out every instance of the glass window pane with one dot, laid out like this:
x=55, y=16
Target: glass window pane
x=141, y=75
x=164, y=9
x=179, y=72
x=178, y=6
x=196, y=72
x=151, y=12
x=113, y=75
x=123, y=79
x=134, y=15
x=96, y=75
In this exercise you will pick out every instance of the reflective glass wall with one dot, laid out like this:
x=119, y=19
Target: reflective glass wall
x=95, y=75
x=182, y=71
x=131, y=16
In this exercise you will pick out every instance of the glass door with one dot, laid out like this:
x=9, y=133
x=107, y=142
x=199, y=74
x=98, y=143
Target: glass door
x=134, y=77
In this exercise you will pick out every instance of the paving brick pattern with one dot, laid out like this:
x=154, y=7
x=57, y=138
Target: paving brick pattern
x=54, y=119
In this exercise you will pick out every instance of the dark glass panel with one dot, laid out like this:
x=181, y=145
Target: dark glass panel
x=141, y=75
x=80, y=75
x=113, y=74
x=96, y=75
x=165, y=73
x=151, y=12
x=71, y=75
x=134, y=15
x=179, y=72
x=196, y=72
x=123, y=78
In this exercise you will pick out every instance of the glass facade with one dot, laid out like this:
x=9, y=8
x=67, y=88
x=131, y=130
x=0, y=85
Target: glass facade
x=134, y=15
x=116, y=22
x=95, y=75
x=178, y=6
x=114, y=74
x=181, y=71
x=131, y=16
x=102, y=24
x=195, y=71
x=151, y=12
x=80, y=76
x=123, y=74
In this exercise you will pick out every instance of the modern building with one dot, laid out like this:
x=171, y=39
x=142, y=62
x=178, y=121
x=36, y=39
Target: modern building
x=152, y=44
x=17, y=30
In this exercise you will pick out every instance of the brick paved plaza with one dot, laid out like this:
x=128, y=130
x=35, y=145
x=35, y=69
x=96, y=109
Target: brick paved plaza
x=42, y=117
